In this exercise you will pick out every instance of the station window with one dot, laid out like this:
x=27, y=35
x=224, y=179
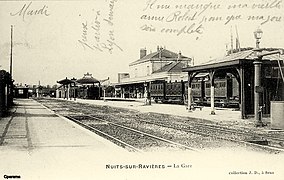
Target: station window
x=21, y=91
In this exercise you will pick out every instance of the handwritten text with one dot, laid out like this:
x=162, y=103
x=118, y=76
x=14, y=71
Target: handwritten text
x=27, y=10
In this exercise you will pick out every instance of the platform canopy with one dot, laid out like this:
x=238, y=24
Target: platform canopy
x=66, y=81
x=88, y=79
x=256, y=72
x=236, y=59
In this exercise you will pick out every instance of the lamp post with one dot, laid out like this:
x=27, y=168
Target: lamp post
x=257, y=81
x=257, y=35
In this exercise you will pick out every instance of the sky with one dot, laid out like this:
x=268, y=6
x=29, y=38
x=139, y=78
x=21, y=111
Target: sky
x=57, y=39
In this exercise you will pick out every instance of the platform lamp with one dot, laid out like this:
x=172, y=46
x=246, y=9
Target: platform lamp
x=257, y=35
x=257, y=80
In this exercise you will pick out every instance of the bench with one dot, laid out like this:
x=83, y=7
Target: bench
x=195, y=106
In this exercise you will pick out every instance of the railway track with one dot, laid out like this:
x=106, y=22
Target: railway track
x=274, y=141
x=244, y=136
x=224, y=133
x=265, y=139
x=107, y=136
x=129, y=138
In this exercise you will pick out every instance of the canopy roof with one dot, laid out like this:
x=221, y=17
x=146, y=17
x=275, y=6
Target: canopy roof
x=66, y=81
x=175, y=66
x=247, y=56
x=88, y=79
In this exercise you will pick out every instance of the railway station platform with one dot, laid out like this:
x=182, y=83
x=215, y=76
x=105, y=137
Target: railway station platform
x=37, y=144
x=32, y=126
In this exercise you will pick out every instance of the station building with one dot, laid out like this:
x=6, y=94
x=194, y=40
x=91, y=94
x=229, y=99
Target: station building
x=162, y=65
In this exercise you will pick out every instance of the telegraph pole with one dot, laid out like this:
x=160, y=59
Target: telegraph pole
x=10, y=89
x=11, y=55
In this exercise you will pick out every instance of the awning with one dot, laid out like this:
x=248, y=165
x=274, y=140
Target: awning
x=66, y=81
x=151, y=79
x=88, y=79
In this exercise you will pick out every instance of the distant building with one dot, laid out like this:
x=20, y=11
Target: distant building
x=86, y=87
x=21, y=91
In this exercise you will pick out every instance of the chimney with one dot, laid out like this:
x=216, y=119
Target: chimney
x=158, y=48
x=143, y=53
